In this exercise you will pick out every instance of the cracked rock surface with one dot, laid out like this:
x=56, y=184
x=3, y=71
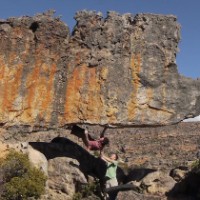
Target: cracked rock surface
x=118, y=70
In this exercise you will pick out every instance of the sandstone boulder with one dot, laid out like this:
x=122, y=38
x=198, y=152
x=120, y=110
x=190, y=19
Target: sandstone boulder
x=178, y=174
x=158, y=183
x=118, y=70
x=65, y=178
x=36, y=158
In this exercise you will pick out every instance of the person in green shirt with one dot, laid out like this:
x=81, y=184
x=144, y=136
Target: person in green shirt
x=111, y=172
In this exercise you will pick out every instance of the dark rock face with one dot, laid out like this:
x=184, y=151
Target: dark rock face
x=119, y=70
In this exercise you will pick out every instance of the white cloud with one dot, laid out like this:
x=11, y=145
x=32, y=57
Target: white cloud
x=195, y=119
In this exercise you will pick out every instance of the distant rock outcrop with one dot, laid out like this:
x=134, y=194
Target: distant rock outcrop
x=117, y=70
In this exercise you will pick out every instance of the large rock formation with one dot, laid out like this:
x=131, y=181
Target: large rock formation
x=116, y=70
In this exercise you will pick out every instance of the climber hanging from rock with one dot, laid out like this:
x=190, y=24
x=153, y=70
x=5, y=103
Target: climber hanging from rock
x=91, y=143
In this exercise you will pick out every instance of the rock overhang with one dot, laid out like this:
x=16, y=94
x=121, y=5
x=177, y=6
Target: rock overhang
x=119, y=70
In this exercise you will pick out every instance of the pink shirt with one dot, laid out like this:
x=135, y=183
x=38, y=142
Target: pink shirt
x=96, y=144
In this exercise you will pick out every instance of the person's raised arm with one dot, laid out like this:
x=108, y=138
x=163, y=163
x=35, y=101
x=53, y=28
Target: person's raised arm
x=105, y=158
x=103, y=132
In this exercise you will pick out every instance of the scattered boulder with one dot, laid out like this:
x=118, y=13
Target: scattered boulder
x=157, y=183
x=65, y=176
x=179, y=173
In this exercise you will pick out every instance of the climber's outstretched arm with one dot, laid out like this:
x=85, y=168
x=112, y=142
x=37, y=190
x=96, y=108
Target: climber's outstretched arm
x=103, y=132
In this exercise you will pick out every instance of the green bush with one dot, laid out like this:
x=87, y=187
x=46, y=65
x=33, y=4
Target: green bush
x=77, y=196
x=86, y=191
x=196, y=165
x=20, y=180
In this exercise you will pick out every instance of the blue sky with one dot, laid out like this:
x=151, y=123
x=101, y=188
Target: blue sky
x=187, y=12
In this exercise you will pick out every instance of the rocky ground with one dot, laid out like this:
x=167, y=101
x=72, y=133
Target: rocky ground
x=153, y=160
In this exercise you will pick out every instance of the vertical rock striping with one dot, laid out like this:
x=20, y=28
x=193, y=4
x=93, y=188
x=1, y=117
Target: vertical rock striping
x=118, y=70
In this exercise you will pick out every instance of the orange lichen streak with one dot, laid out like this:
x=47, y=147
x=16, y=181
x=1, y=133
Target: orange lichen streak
x=39, y=96
x=74, y=84
x=135, y=64
x=27, y=88
x=83, y=98
x=10, y=81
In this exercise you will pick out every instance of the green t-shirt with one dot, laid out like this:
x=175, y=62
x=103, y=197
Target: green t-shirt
x=111, y=169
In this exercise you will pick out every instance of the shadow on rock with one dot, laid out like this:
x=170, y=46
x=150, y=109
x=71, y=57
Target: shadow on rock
x=187, y=189
x=63, y=147
x=138, y=174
